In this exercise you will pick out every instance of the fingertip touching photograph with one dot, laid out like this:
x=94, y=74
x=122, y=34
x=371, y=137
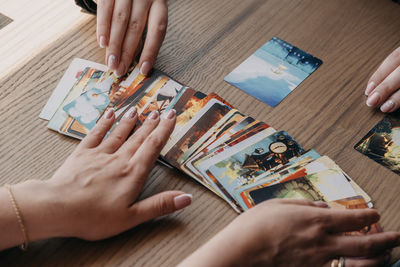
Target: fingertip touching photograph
x=200, y=133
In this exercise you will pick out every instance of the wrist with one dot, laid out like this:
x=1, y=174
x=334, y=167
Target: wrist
x=40, y=208
x=230, y=247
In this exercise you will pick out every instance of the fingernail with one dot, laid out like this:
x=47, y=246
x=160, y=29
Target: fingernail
x=112, y=62
x=387, y=106
x=102, y=42
x=171, y=114
x=121, y=70
x=370, y=88
x=131, y=113
x=145, y=68
x=321, y=204
x=110, y=113
x=373, y=99
x=183, y=201
x=153, y=115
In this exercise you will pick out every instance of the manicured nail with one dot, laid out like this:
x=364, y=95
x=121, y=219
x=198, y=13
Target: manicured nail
x=171, y=114
x=131, y=113
x=387, y=106
x=153, y=115
x=145, y=68
x=370, y=88
x=102, y=42
x=121, y=70
x=373, y=99
x=183, y=201
x=110, y=113
x=321, y=204
x=112, y=62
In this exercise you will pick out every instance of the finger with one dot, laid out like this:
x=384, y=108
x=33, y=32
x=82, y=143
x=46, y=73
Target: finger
x=302, y=202
x=134, y=142
x=118, y=136
x=157, y=28
x=338, y=221
x=96, y=135
x=149, y=151
x=383, y=91
x=393, y=103
x=133, y=35
x=366, y=246
x=387, y=67
x=392, y=84
x=382, y=260
x=104, y=15
x=119, y=22
x=159, y=205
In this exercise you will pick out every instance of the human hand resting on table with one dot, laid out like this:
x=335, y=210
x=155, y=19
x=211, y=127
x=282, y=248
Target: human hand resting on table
x=383, y=87
x=120, y=25
x=93, y=194
x=296, y=233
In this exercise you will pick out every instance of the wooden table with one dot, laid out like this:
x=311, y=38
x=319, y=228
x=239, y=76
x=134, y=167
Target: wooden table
x=206, y=40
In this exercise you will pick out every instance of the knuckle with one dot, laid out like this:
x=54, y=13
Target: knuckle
x=126, y=170
x=134, y=26
x=121, y=17
x=163, y=207
x=156, y=141
x=319, y=220
x=118, y=139
x=161, y=27
x=97, y=133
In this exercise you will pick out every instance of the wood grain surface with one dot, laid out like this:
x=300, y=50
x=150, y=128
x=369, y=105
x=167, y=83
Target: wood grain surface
x=206, y=40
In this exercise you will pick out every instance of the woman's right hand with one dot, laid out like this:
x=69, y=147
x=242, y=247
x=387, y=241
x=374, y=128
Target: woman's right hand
x=296, y=233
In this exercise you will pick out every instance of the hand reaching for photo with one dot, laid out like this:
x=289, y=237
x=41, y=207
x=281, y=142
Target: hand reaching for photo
x=120, y=26
x=383, y=87
x=93, y=195
x=290, y=232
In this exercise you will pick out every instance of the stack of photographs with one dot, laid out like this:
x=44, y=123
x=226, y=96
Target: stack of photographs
x=239, y=158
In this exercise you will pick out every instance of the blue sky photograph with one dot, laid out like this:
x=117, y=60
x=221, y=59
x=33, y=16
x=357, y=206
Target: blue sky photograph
x=269, y=78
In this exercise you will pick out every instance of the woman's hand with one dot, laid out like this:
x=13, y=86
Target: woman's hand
x=296, y=233
x=93, y=195
x=120, y=25
x=383, y=87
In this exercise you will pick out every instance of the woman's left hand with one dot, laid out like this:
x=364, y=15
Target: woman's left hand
x=93, y=195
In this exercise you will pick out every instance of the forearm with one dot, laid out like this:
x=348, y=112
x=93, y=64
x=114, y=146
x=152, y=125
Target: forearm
x=35, y=200
x=224, y=249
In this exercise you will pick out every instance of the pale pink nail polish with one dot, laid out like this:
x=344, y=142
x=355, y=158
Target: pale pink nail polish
x=102, y=42
x=370, y=88
x=388, y=106
x=183, y=201
x=112, y=62
x=373, y=99
x=131, y=113
x=110, y=113
x=171, y=114
x=145, y=68
x=153, y=115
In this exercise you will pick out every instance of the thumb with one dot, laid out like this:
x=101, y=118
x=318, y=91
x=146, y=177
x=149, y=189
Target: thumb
x=159, y=205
